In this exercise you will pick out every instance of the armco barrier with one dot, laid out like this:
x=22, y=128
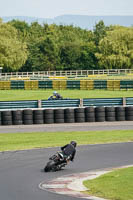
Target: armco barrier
x=60, y=103
x=66, y=103
x=104, y=102
x=75, y=115
x=18, y=104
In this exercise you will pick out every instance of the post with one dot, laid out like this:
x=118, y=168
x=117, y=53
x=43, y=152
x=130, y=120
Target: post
x=81, y=103
x=124, y=101
x=39, y=104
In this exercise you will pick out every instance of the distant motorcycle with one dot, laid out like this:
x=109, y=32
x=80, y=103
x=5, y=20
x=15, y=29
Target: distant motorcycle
x=56, y=162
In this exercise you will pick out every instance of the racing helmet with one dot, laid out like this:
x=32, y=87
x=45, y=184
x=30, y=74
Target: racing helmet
x=73, y=143
x=54, y=93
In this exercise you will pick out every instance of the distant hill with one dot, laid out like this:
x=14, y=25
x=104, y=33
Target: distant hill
x=83, y=21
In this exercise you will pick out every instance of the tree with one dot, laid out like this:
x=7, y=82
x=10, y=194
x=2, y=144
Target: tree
x=99, y=31
x=116, y=49
x=13, y=52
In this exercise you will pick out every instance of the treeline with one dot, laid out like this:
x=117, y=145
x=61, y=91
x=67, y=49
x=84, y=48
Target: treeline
x=36, y=47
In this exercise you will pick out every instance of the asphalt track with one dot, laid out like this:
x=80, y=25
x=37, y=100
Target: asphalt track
x=21, y=171
x=122, y=125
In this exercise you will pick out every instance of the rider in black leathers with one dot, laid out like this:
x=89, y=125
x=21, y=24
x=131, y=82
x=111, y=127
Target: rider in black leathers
x=69, y=150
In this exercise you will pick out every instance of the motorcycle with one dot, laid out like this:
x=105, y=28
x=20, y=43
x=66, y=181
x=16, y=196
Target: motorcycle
x=56, y=162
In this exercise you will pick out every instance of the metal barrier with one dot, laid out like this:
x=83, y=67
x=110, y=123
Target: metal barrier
x=60, y=103
x=66, y=103
x=18, y=104
x=104, y=102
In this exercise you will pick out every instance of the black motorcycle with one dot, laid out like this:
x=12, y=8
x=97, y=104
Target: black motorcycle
x=56, y=162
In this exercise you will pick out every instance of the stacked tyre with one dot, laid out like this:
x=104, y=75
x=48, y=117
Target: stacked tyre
x=69, y=115
x=28, y=117
x=79, y=115
x=110, y=114
x=59, y=116
x=120, y=113
x=6, y=117
x=0, y=119
x=49, y=116
x=100, y=114
x=90, y=114
x=17, y=117
x=129, y=113
x=38, y=117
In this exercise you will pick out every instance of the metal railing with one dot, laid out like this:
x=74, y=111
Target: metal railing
x=126, y=101
x=41, y=75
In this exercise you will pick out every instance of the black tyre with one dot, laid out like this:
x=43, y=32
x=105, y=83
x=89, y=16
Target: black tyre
x=7, y=118
x=100, y=109
x=110, y=114
x=27, y=117
x=49, y=121
x=79, y=115
x=6, y=113
x=129, y=109
x=59, y=111
x=50, y=166
x=39, y=121
x=37, y=112
x=28, y=122
x=129, y=118
x=6, y=122
x=69, y=111
x=59, y=116
x=109, y=109
x=100, y=119
x=89, y=109
x=79, y=120
x=48, y=116
x=59, y=120
x=71, y=120
x=129, y=112
x=27, y=112
x=70, y=115
x=17, y=117
x=90, y=119
x=120, y=118
x=120, y=109
x=100, y=114
x=38, y=117
x=48, y=111
x=17, y=122
x=79, y=110
x=89, y=115
x=120, y=114
x=16, y=112
x=111, y=119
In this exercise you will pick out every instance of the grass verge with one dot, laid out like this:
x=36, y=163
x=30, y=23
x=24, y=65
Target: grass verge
x=13, y=95
x=19, y=141
x=116, y=185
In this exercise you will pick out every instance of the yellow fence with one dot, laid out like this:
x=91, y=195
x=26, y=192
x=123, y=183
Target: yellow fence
x=31, y=85
x=5, y=85
x=113, y=84
x=86, y=84
x=59, y=85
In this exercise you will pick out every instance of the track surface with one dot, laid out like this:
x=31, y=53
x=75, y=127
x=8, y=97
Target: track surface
x=124, y=125
x=21, y=171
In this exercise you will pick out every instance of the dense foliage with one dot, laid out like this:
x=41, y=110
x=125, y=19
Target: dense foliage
x=36, y=47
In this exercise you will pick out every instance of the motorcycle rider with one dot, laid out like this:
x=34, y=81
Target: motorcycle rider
x=69, y=151
x=55, y=96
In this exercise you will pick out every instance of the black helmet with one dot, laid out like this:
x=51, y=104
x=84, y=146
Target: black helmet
x=73, y=143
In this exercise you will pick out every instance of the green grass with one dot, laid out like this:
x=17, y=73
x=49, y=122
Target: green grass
x=10, y=95
x=18, y=141
x=117, y=185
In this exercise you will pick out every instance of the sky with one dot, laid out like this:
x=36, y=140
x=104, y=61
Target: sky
x=54, y=8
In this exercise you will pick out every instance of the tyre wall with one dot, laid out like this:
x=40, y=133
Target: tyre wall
x=67, y=115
